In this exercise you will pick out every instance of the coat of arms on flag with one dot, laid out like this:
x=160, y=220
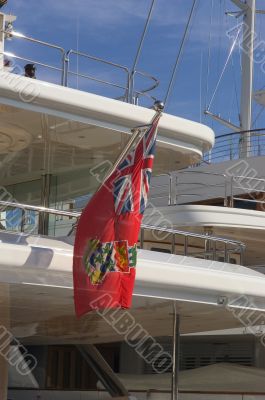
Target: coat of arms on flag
x=105, y=250
x=101, y=258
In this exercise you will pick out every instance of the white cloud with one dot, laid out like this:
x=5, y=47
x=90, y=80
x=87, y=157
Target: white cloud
x=97, y=18
x=103, y=13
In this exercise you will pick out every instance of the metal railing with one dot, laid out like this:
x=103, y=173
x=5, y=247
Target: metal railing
x=230, y=146
x=130, y=93
x=21, y=223
x=135, y=94
x=183, y=188
x=252, y=188
x=212, y=247
x=160, y=190
x=223, y=184
x=13, y=34
x=126, y=88
x=177, y=191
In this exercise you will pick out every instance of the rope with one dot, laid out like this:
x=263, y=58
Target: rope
x=77, y=47
x=228, y=27
x=224, y=68
x=201, y=73
x=183, y=41
x=220, y=32
x=258, y=115
x=138, y=53
x=235, y=86
x=209, y=56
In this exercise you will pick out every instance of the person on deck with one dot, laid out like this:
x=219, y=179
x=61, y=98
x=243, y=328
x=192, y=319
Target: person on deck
x=30, y=71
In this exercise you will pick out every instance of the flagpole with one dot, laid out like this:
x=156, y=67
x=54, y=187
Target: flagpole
x=158, y=107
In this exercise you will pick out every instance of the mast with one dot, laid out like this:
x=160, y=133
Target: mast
x=247, y=8
x=247, y=75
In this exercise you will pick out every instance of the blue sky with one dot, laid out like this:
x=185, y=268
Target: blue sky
x=111, y=29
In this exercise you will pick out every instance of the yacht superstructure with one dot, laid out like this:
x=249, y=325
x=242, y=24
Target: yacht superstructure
x=56, y=144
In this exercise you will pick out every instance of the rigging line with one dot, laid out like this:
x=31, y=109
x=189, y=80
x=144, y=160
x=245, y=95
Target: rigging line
x=77, y=47
x=200, y=105
x=209, y=56
x=223, y=71
x=235, y=86
x=240, y=55
x=220, y=31
x=258, y=115
x=183, y=41
x=138, y=53
x=233, y=71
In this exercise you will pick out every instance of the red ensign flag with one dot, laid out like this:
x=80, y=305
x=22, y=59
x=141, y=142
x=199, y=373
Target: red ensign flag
x=105, y=249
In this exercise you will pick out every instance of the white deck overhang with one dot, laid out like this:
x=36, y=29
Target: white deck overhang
x=203, y=215
x=102, y=122
x=38, y=274
x=241, y=224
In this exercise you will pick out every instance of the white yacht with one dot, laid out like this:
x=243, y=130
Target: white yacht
x=55, y=144
x=224, y=196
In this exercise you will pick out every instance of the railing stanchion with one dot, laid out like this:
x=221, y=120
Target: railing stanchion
x=23, y=216
x=43, y=228
x=63, y=68
x=174, y=192
x=185, y=245
x=66, y=68
x=225, y=194
x=225, y=253
x=214, y=250
x=170, y=190
x=131, y=97
x=241, y=257
x=232, y=192
x=142, y=238
x=128, y=90
x=173, y=240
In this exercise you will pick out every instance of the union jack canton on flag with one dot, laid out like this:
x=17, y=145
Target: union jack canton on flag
x=126, y=197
